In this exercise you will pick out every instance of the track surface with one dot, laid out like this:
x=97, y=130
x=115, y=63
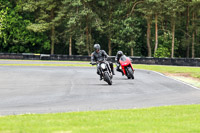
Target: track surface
x=26, y=89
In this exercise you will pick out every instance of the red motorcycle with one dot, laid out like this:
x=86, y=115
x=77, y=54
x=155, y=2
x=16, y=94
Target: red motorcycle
x=126, y=66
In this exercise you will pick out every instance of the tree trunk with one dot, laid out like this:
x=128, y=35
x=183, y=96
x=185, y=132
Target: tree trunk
x=149, y=36
x=52, y=33
x=132, y=51
x=70, y=45
x=87, y=36
x=193, y=37
x=109, y=33
x=156, y=34
x=187, y=31
x=196, y=40
x=90, y=39
x=109, y=46
x=173, y=36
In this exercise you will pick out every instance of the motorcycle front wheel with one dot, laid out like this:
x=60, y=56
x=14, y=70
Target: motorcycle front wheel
x=107, y=78
x=131, y=74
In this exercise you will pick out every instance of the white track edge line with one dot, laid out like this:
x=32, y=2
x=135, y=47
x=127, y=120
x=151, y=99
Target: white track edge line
x=173, y=79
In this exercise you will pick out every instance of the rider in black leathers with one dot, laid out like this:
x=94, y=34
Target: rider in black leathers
x=117, y=57
x=100, y=55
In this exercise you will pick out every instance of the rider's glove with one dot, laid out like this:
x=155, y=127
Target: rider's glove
x=93, y=63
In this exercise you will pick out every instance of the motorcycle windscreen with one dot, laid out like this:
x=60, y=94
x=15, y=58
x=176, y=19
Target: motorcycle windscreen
x=123, y=58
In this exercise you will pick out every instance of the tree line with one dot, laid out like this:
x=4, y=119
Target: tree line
x=153, y=28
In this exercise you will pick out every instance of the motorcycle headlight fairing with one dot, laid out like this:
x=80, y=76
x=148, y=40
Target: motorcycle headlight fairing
x=103, y=66
x=124, y=64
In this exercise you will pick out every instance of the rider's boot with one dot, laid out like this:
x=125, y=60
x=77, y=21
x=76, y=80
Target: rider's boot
x=122, y=73
x=113, y=72
x=112, y=68
x=101, y=77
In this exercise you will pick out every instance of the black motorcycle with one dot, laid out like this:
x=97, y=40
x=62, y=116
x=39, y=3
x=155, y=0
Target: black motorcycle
x=104, y=71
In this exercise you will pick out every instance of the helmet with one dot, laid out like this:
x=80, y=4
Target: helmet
x=119, y=53
x=97, y=47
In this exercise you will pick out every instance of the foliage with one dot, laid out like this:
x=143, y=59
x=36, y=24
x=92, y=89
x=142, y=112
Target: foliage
x=14, y=35
x=164, y=49
x=32, y=26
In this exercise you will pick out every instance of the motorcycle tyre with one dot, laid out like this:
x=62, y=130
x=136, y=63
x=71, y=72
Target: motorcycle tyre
x=107, y=78
x=131, y=74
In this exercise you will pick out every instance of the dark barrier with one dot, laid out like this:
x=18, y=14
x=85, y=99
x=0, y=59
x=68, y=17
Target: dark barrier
x=167, y=61
x=135, y=60
x=11, y=56
x=70, y=58
x=27, y=56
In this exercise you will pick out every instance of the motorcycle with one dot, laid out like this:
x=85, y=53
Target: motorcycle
x=126, y=66
x=105, y=71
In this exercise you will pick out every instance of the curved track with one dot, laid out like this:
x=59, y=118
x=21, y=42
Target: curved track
x=25, y=89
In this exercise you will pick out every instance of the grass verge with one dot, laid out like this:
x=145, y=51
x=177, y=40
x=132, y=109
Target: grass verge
x=190, y=75
x=167, y=119
x=192, y=71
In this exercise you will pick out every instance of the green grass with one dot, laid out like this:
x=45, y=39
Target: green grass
x=193, y=71
x=167, y=119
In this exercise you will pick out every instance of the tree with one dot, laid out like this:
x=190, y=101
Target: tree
x=3, y=22
x=14, y=35
x=128, y=28
x=194, y=27
x=88, y=21
x=164, y=49
x=70, y=22
x=105, y=12
x=132, y=28
x=46, y=16
x=73, y=26
x=80, y=20
x=173, y=8
x=146, y=10
x=157, y=6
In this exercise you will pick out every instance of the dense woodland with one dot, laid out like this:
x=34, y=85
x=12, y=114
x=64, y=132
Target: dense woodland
x=150, y=28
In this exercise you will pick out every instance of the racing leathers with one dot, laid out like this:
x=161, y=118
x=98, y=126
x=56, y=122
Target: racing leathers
x=118, y=64
x=100, y=56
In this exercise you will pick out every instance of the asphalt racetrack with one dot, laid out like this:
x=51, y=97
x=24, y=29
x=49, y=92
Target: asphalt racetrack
x=51, y=89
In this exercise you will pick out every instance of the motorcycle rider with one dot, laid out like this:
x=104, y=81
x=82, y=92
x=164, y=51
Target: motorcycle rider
x=117, y=57
x=99, y=55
